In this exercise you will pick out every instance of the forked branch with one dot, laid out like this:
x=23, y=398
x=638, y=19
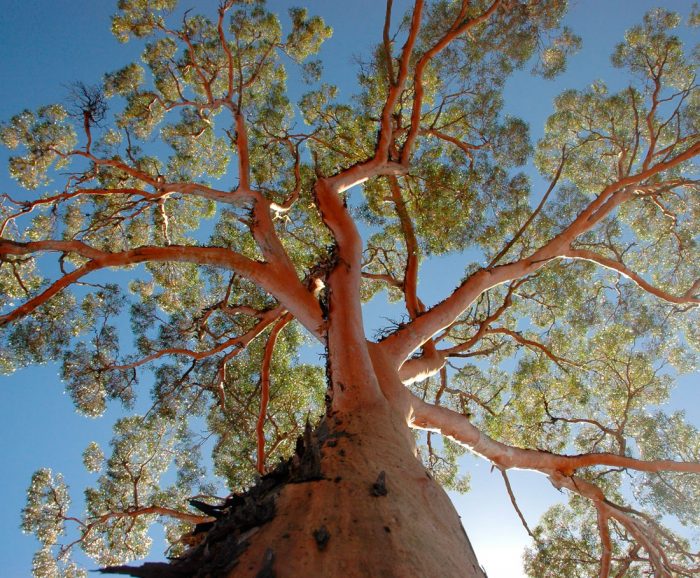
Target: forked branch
x=286, y=288
x=408, y=338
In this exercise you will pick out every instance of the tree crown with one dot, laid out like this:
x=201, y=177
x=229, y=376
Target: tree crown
x=251, y=225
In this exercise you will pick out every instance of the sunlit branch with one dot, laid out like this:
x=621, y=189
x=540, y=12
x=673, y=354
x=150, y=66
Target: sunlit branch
x=286, y=288
x=560, y=469
x=263, y=231
x=644, y=530
x=239, y=197
x=432, y=360
x=457, y=427
x=165, y=222
x=403, y=341
x=419, y=368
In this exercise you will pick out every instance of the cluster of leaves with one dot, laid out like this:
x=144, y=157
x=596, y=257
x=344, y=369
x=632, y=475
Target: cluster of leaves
x=178, y=94
x=573, y=356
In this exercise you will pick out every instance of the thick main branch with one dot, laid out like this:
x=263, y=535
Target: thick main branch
x=286, y=288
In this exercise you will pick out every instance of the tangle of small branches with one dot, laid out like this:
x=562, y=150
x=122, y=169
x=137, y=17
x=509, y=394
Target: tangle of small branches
x=87, y=103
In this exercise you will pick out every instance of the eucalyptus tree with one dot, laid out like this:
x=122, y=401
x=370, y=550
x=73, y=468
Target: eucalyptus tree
x=249, y=225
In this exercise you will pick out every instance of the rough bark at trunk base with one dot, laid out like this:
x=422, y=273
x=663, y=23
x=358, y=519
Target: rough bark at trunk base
x=376, y=512
x=353, y=502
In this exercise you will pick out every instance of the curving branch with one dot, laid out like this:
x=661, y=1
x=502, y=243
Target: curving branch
x=460, y=26
x=433, y=359
x=384, y=278
x=457, y=427
x=535, y=345
x=157, y=510
x=284, y=286
x=688, y=297
x=465, y=147
x=561, y=469
x=30, y=305
x=396, y=87
x=86, y=528
x=643, y=529
x=240, y=342
x=483, y=325
x=430, y=362
x=408, y=338
x=293, y=195
x=381, y=162
x=265, y=389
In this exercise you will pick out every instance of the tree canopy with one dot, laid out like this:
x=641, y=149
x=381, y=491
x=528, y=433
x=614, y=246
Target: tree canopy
x=252, y=225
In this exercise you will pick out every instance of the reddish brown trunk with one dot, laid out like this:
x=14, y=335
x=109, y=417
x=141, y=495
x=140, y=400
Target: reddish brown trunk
x=354, y=501
x=375, y=512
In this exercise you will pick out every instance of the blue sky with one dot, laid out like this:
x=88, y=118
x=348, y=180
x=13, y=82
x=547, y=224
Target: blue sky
x=49, y=44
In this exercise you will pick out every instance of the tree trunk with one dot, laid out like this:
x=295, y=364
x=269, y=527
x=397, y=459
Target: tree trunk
x=375, y=512
x=354, y=501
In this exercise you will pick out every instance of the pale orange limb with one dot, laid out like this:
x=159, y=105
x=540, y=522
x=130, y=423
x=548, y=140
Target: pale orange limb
x=265, y=388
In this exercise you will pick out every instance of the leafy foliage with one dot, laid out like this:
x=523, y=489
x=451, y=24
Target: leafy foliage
x=198, y=181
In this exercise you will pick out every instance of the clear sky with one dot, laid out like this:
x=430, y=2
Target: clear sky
x=47, y=44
